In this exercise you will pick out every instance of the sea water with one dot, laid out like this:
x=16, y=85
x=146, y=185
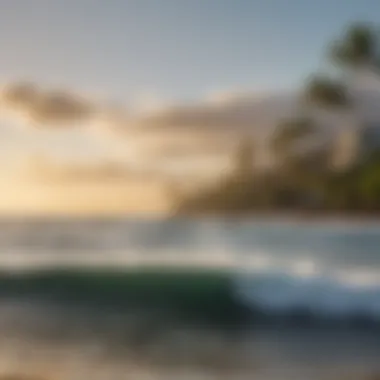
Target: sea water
x=187, y=298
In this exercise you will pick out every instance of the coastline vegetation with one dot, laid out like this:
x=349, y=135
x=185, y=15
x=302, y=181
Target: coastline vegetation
x=305, y=176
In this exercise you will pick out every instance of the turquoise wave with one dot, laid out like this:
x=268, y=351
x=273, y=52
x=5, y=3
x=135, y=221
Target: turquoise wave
x=203, y=296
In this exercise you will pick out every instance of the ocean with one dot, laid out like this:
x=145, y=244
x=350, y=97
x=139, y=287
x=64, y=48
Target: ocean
x=189, y=298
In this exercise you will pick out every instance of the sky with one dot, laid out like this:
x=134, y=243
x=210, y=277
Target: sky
x=166, y=85
x=170, y=48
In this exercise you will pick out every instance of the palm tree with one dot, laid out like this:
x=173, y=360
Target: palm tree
x=356, y=52
x=325, y=98
x=243, y=158
x=353, y=56
x=288, y=144
x=326, y=92
x=289, y=134
x=358, y=49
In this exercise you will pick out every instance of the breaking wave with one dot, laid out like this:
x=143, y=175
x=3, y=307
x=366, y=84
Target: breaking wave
x=217, y=296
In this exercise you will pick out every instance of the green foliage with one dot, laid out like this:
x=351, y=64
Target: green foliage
x=358, y=48
x=243, y=160
x=304, y=180
x=326, y=92
x=288, y=133
x=370, y=183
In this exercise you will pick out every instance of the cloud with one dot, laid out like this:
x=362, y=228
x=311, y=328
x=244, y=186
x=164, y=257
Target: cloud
x=42, y=107
x=231, y=112
x=151, y=132
x=211, y=126
x=151, y=129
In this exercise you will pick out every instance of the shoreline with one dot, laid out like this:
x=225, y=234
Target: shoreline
x=308, y=217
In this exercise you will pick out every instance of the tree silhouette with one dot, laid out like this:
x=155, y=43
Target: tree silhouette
x=326, y=92
x=243, y=159
x=290, y=132
x=303, y=176
x=356, y=53
x=357, y=49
